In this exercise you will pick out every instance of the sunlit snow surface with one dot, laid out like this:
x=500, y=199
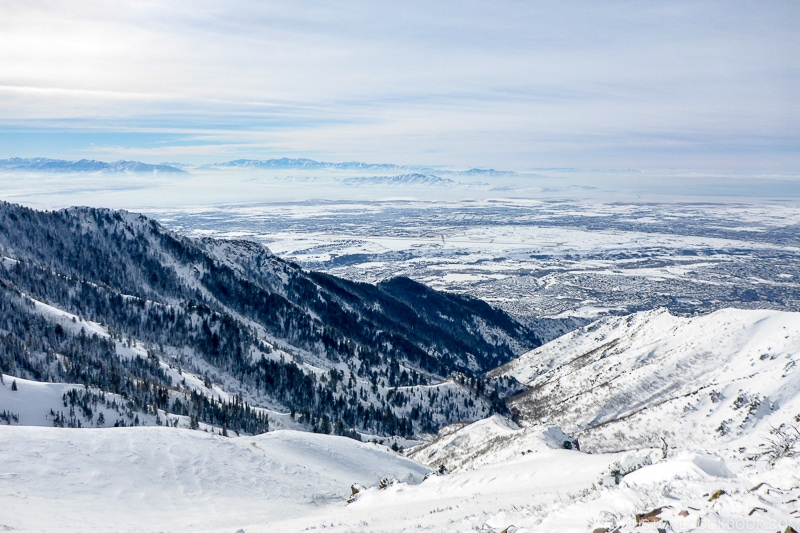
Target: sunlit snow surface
x=686, y=374
x=622, y=382
x=160, y=479
x=166, y=479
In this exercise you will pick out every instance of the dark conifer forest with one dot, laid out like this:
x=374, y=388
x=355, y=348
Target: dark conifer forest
x=149, y=321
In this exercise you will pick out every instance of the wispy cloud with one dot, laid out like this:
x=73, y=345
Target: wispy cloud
x=504, y=84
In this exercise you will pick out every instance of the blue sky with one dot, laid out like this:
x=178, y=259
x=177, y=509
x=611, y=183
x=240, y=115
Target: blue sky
x=503, y=84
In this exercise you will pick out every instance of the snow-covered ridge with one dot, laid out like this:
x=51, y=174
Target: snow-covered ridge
x=493, y=440
x=67, y=321
x=629, y=382
x=240, y=255
x=32, y=403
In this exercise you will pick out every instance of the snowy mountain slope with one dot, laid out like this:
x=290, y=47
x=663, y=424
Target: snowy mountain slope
x=181, y=395
x=549, y=489
x=159, y=479
x=32, y=403
x=68, y=321
x=517, y=492
x=25, y=402
x=492, y=440
x=502, y=474
x=714, y=387
x=246, y=257
x=630, y=382
x=229, y=321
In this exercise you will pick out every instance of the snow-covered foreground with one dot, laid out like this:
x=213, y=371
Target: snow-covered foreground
x=504, y=475
x=163, y=479
x=693, y=422
x=166, y=479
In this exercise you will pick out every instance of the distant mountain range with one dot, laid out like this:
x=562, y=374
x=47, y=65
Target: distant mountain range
x=302, y=163
x=286, y=163
x=43, y=164
x=415, y=178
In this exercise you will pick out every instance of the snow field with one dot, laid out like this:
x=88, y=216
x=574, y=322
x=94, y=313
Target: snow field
x=165, y=479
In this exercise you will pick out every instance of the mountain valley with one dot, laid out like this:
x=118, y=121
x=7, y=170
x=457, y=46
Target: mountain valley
x=239, y=385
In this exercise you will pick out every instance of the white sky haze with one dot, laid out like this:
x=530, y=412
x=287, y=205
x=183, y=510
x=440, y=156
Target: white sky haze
x=498, y=84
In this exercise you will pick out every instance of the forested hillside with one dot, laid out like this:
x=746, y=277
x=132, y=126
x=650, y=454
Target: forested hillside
x=214, y=330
